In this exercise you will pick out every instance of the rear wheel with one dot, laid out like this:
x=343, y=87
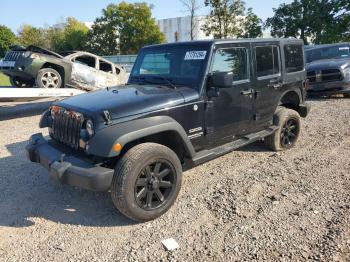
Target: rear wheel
x=287, y=134
x=48, y=78
x=146, y=181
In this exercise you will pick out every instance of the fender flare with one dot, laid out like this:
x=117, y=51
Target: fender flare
x=104, y=140
x=301, y=107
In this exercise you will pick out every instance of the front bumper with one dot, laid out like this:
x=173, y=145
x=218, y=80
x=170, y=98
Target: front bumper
x=25, y=68
x=68, y=168
x=329, y=88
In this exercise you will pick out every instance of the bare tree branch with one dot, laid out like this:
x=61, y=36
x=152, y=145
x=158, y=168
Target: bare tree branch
x=192, y=7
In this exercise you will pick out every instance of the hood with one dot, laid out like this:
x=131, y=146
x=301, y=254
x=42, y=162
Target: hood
x=44, y=51
x=340, y=63
x=129, y=100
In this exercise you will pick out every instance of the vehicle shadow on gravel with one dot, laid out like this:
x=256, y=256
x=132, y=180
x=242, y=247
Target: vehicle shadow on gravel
x=27, y=195
x=257, y=146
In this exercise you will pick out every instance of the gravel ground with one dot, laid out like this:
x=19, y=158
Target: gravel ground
x=251, y=204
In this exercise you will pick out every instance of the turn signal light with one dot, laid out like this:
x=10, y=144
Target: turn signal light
x=117, y=147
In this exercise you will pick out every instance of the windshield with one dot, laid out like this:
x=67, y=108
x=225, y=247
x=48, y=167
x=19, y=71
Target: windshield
x=338, y=51
x=171, y=65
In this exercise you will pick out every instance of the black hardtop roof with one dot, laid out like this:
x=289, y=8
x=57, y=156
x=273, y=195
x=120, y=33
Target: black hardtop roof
x=223, y=41
x=313, y=47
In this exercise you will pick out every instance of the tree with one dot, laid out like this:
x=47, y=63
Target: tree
x=192, y=8
x=124, y=28
x=251, y=25
x=7, y=38
x=317, y=21
x=224, y=18
x=30, y=35
x=73, y=36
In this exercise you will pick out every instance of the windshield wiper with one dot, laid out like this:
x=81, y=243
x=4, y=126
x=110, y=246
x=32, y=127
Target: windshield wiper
x=143, y=79
x=167, y=80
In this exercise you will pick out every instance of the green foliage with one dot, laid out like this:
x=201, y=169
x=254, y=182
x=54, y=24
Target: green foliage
x=30, y=35
x=251, y=25
x=7, y=38
x=316, y=21
x=224, y=18
x=124, y=28
x=71, y=37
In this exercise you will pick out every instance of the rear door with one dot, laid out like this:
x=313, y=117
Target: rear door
x=230, y=114
x=268, y=82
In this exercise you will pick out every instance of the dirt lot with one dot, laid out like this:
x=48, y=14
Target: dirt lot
x=252, y=204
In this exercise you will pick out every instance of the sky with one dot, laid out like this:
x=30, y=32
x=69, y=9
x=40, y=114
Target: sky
x=41, y=13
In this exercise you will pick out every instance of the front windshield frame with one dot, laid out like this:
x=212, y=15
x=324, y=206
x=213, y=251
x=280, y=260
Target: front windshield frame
x=327, y=52
x=199, y=64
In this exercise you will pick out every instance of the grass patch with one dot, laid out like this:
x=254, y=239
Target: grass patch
x=4, y=80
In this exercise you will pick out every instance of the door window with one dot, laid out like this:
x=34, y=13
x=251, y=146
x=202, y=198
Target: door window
x=86, y=60
x=294, y=58
x=106, y=67
x=233, y=60
x=267, y=61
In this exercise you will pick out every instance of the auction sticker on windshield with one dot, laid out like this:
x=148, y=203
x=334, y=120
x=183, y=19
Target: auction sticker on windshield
x=195, y=55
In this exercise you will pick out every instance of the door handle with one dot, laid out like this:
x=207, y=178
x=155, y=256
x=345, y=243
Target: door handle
x=275, y=84
x=247, y=92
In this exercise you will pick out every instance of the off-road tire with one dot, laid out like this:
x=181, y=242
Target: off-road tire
x=129, y=169
x=346, y=95
x=48, y=74
x=283, y=117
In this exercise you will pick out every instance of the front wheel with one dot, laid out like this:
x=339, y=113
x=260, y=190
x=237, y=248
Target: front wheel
x=48, y=78
x=287, y=134
x=146, y=181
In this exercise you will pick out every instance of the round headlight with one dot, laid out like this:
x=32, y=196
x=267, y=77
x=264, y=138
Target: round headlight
x=90, y=128
x=26, y=54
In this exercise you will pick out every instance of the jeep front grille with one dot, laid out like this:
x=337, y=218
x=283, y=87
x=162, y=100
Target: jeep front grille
x=66, y=126
x=12, y=56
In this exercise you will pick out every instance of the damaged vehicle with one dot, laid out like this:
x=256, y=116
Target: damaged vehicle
x=36, y=66
x=328, y=69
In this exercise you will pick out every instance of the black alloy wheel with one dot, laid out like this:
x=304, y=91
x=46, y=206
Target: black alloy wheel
x=155, y=185
x=286, y=136
x=289, y=133
x=146, y=181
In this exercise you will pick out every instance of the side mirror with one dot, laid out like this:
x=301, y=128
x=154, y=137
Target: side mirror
x=213, y=91
x=221, y=79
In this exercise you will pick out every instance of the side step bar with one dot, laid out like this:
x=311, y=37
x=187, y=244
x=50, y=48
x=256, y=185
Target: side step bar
x=206, y=155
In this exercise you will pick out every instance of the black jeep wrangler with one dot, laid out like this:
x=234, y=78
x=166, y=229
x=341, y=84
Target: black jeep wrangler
x=184, y=104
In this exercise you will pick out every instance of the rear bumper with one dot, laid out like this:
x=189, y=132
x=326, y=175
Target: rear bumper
x=67, y=168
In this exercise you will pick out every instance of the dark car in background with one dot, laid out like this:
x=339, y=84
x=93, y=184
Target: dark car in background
x=36, y=66
x=328, y=69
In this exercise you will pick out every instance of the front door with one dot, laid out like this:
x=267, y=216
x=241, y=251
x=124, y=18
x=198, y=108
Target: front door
x=229, y=115
x=84, y=72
